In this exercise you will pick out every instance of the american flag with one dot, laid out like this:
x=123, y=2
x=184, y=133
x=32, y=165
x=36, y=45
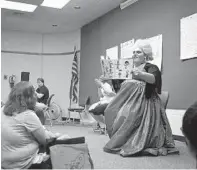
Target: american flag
x=74, y=79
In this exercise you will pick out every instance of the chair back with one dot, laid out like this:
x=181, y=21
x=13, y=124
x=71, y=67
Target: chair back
x=164, y=96
x=49, y=100
x=85, y=102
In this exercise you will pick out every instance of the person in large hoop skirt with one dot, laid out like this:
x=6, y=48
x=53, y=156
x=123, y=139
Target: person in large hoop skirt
x=135, y=119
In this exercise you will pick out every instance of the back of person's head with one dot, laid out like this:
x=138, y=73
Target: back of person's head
x=41, y=80
x=189, y=125
x=21, y=98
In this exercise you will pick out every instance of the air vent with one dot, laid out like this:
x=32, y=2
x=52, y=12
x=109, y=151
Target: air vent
x=16, y=13
x=20, y=14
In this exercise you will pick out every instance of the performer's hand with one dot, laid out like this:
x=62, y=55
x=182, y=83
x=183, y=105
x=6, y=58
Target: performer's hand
x=136, y=73
x=98, y=82
x=36, y=93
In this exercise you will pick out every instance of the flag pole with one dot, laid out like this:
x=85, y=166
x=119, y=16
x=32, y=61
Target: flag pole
x=70, y=101
x=71, y=91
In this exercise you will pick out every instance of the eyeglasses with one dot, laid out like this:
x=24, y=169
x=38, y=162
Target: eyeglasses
x=137, y=52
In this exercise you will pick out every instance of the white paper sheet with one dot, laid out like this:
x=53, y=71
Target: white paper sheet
x=188, y=37
x=156, y=44
x=126, y=49
x=112, y=53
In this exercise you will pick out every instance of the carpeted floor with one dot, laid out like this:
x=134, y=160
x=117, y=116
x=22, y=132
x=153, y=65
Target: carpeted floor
x=104, y=160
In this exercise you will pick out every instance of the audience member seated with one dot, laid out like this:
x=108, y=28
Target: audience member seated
x=106, y=95
x=22, y=133
x=135, y=119
x=189, y=125
x=42, y=94
x=42, y=91
x=40, y=112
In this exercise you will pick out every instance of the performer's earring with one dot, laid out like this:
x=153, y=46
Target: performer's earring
x=145, y=58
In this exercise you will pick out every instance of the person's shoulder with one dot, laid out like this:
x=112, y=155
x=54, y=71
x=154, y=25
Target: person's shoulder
x=45, y=87
x=29, y=114
x=150, y=65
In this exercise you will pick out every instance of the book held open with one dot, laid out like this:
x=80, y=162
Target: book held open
x=117, y=69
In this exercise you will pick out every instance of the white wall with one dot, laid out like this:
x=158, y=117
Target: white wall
x=16, y=63
x=20, y=41
x=175, y=118
x=61, y=42
x=56, y=70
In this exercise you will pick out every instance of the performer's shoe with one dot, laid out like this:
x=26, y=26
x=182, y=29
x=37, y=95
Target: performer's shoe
x=103, y=131
x=97, y=128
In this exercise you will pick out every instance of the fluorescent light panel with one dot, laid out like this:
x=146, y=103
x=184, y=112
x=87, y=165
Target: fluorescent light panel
x=17, y=6
x=55, y=3
x=127, y=3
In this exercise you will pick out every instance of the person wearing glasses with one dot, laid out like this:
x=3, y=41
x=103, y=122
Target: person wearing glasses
x=135, y=119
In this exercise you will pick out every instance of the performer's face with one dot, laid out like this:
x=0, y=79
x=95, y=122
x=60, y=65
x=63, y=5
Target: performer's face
x=138, y=56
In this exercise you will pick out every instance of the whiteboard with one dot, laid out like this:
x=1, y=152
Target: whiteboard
x=112, y=53
x=188, y=29
x=156, y=44
x=126, y=50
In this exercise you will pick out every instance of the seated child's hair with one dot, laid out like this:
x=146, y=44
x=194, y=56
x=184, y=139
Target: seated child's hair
x=189, y=124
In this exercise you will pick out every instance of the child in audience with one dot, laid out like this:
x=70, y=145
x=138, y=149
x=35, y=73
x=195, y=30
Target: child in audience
x=106, y=95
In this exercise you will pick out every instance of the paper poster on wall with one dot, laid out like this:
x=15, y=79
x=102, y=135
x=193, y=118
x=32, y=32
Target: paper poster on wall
x=117, y=69
x=156, y=44
x=112, y=53
x=188, y=42
x=126, y=49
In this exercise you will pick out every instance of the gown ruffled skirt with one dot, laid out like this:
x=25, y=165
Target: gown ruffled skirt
x=137, y=125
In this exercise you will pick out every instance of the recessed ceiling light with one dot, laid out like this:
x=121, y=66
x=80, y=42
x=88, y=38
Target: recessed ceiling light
x=77, y=7
x=55, y=4
x=17, y=6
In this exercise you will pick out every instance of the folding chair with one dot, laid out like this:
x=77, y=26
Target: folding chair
x=80, y=109
x=164, y=96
